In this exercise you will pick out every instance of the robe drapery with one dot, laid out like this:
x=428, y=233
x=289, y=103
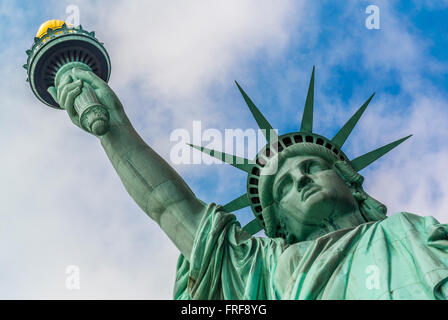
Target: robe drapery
x=404, y=256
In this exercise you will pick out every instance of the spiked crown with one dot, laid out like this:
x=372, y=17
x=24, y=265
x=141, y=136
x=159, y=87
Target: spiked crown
x=277, y=144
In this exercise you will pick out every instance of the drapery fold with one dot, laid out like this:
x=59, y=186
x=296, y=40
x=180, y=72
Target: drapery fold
x=402, y=257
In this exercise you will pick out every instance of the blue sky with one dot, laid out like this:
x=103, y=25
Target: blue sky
x=175, y=63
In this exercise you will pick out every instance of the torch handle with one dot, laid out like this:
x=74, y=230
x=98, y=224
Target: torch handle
x=93, y=116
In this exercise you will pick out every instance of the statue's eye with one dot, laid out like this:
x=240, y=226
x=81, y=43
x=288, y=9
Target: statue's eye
x=284, y=187
x=313, y=167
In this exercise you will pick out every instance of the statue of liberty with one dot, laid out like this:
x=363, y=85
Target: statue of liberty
x=326, y=237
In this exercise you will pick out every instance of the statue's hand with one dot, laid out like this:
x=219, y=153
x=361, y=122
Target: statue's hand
x=70, y=87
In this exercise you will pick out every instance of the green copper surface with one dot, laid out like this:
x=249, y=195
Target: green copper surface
x=51, y=59
x=307, y=117
x=274, y=150
x=42, y=60
x=403, y=257
x=342, y=135
x=263, y=124
x=236, y=204
x=235, y=161
x=366, y=159
x=327, y=238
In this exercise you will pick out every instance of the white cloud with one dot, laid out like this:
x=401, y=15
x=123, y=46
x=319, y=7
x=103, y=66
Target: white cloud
x=411, y=177
x=62, y=202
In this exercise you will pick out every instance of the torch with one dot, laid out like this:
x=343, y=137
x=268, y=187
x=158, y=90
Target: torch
x=57, y=49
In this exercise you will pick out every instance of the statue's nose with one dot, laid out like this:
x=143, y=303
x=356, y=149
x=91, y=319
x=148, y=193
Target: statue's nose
x=303, y=181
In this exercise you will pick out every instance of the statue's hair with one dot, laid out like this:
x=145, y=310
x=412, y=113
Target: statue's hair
x=371, y=209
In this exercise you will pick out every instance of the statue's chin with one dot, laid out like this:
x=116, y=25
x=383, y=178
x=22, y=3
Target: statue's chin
x=317, y=207
x=312, y=216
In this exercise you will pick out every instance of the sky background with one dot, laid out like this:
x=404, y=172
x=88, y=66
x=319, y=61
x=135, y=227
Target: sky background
x=61, y=202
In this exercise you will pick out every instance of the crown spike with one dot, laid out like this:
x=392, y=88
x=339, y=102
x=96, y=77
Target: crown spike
x=237, y=204
x=202, y=202
x=263, y=124
x=342, y=135
x=253, y=227
x=237, y=162
x=366, y=159
x=307, y=118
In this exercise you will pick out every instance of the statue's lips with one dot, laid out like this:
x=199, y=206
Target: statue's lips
x=309, y=190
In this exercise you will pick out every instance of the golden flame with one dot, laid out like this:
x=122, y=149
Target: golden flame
x=53, y=24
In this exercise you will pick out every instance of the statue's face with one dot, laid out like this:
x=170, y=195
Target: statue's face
x=309, y=192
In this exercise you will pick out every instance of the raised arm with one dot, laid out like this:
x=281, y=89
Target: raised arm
x=151, y=181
